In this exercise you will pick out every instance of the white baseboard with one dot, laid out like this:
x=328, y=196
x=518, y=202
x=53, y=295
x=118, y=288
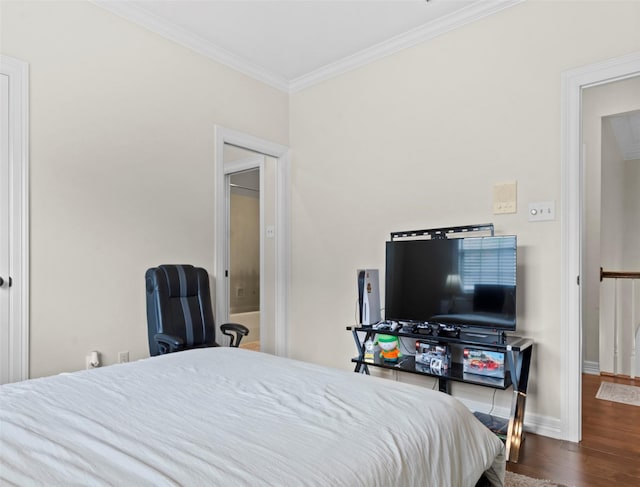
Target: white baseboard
x=592, y=368
x=533, y=423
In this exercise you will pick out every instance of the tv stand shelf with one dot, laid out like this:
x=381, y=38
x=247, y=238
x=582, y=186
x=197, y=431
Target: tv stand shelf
x=408, y=364
x=517, y=352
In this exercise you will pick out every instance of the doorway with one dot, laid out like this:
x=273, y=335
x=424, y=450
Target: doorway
x=610, y=240
x=14, y=222
x=620, y=256
x=245, y=247
x=237, y=152
x=573, y=83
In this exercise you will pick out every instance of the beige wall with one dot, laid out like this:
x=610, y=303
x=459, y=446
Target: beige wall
x=631, y=211
x=244, y=249
x=122, y=176
x=598, y=102
x=417, y=140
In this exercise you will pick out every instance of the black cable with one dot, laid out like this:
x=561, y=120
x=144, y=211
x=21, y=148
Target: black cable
x=402, y=345
x=493, y=401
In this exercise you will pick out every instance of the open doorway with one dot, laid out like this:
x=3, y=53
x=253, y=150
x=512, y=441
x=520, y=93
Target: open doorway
x=620, y=257
x=236, y=153
x=574, y=82
x=244, y=233
x=611, y=237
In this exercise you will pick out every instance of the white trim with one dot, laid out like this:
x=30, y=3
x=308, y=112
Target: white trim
x=476, y=11
x=244, y=164
x=534, y=423
x=18, y=73
x=438, y=27
x=283, y=239
x=572, y=84
x=591, y=368
x=281, y=153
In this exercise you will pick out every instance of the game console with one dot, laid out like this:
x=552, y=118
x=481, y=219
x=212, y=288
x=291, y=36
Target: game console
x=368, y=297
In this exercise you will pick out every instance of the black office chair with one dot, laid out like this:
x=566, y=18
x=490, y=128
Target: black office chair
x=179, y=312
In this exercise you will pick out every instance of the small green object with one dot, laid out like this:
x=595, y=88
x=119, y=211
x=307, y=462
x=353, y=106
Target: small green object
x=387, y=338
x=389, y=350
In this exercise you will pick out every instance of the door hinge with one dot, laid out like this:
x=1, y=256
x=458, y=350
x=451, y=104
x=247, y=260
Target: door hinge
x=578, y=280
x=226, y=273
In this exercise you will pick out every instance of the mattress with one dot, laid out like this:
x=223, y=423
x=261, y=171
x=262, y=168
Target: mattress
x=227, y=416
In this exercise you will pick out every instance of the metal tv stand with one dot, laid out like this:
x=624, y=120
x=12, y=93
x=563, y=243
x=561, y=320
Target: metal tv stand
x=517, y=352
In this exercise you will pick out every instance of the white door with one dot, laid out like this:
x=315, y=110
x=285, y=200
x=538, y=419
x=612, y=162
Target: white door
x=14, y=226
x=4, y=230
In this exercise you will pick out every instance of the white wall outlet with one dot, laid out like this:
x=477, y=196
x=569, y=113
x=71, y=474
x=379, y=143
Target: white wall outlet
x=93, y=360
x=504, y=198
x=542, y=211
x=123, y=357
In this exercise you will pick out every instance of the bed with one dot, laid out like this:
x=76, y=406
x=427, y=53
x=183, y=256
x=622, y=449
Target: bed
x=227, y=416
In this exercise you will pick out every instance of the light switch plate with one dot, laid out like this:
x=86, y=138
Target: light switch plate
x=542, y=211
x=504, y=198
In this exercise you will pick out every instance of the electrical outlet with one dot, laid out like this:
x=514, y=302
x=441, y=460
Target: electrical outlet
x=93, y=360
x=123, y=357
x=542, y=211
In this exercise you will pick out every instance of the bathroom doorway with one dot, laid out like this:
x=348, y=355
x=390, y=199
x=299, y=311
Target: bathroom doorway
x=244, y=253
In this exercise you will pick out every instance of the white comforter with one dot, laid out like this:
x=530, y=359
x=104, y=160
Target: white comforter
x=224, y=416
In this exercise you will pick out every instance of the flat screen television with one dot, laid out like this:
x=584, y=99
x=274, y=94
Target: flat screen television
x=467, y=282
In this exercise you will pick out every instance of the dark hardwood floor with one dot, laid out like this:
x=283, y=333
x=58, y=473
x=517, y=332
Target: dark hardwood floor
x=608, y=455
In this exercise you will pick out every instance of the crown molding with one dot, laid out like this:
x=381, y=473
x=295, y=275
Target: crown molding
x=476, y=11
x=415, y=36
x=185, y=38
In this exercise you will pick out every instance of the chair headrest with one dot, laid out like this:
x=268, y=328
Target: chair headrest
x=182, y=279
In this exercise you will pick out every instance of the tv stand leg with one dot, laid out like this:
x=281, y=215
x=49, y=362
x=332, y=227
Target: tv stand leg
x=444, y=386
x=519, y=363
x=361, y=367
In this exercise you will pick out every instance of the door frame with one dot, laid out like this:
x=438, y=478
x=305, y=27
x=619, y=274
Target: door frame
x=280, y=153
x=17, y=72
x=230, y=168
x=572, y=192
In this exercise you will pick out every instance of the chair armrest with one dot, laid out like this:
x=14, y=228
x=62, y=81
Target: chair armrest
x=168, y=343
x=238, y=329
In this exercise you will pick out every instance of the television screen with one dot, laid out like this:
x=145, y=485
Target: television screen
x=467, y=281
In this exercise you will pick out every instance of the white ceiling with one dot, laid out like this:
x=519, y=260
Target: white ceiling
x=292, y=44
